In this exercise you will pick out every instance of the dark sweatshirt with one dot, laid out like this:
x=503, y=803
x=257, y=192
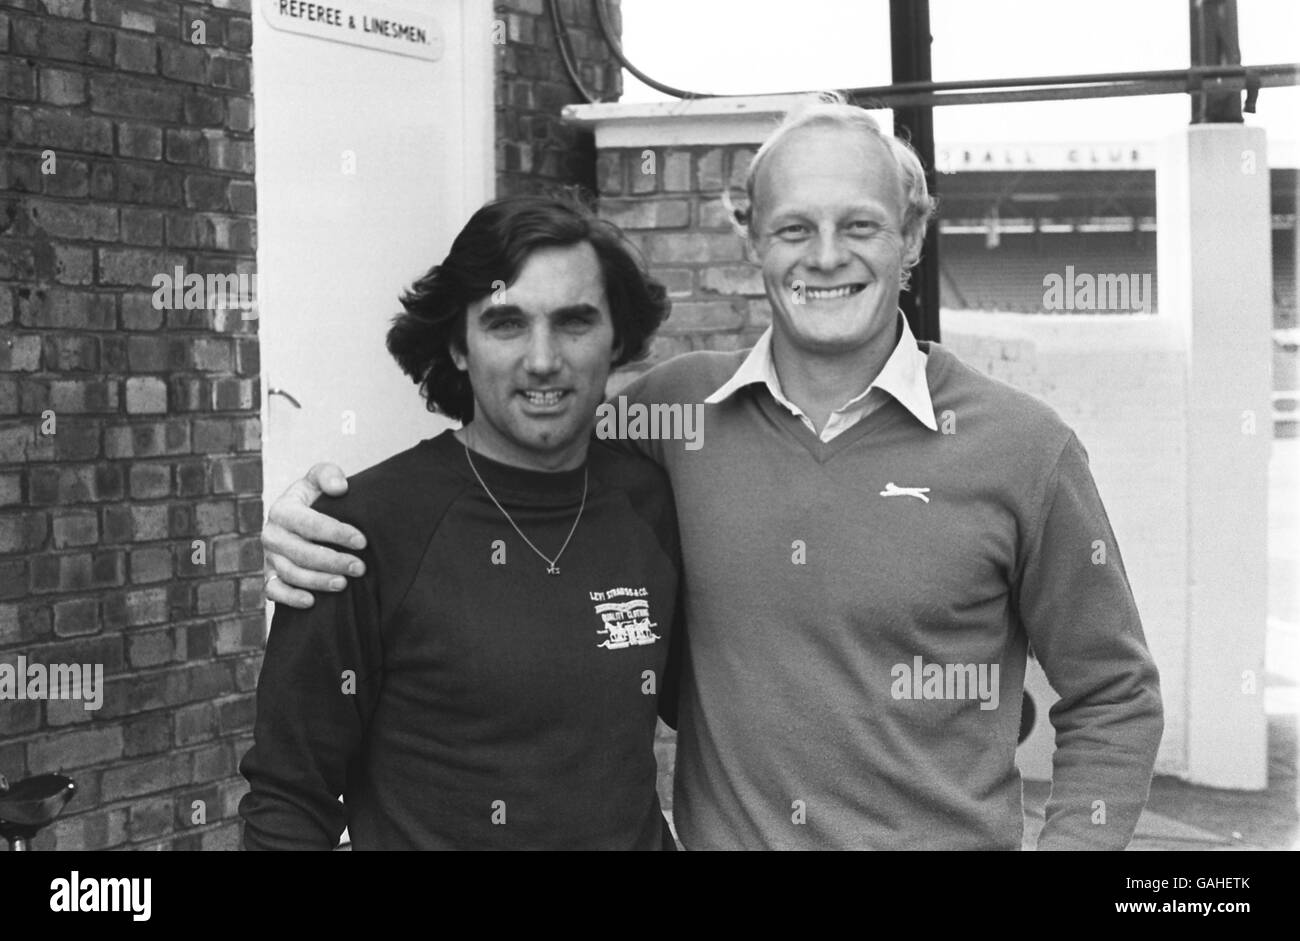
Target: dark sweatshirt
x=458, y=696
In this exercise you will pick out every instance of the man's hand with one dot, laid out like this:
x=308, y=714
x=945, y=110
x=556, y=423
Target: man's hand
x=290, y=537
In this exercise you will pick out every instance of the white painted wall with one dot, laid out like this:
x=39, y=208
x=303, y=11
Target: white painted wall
x=335, y=249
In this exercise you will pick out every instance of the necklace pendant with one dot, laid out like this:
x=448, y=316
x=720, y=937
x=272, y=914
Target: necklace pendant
x=553, y=570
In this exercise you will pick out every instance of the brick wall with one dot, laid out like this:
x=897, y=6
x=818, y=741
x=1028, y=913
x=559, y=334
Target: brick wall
x=128, y=535
x=535, y=152
x=668, y=201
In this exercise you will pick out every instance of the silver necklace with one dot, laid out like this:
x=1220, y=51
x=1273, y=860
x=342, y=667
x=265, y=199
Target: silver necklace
x=551, y=567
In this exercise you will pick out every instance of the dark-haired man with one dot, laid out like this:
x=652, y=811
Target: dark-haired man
x=872, y=536
x=492, y=680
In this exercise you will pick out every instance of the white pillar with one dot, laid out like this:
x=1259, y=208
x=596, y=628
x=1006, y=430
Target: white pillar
x=1214, y=257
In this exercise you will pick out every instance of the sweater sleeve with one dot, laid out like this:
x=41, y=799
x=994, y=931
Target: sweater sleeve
x=319, y=681
x=1078, y=611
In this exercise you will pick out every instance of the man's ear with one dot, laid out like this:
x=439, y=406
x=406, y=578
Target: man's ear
x=913, y=240
x=458, y=356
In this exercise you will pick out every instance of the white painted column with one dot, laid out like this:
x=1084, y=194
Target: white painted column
x=1214, y=256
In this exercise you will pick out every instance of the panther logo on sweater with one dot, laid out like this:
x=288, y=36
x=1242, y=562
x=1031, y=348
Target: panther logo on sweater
x=624, y=623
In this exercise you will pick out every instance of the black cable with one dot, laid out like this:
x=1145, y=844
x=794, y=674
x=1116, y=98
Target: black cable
x=615, y=47
x=1050, y=87
x=561, y=42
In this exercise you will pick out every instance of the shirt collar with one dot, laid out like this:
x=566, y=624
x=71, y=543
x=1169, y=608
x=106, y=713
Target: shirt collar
x=903, y=377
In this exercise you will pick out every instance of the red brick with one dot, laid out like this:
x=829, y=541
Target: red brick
x=219, y=598
x=731, y=280
x=58, y=308
x=250, y=515
x=234, y=394
x=685, y=247
x=64, y=712
x=150, y=818
x=240, y=114
x=213, y=762
x=146, y=777
x=137, y=54
x=148, y=439
x=147, y=735
x=75, y=441
x=237, y=554
x=247, y=672
x=139, y=141
x=70, y=9
x=250, y=594
x=151, y=481
x=65, y=132
x=237, y=714
x=249, y=434
x=83, y=221
x=151, y=564
x=225, y=838
x=237, y=475
x=71, y=178
x=203, y=109
x=206, y=192
x=191, y=479
x=675, y=168
x=214, y=517
x=140, y=15
x=75, y=528
x=704, y=315
x=146, y=396
x=647, y=213
x=184, y=62
x=214, y=435
x=152, y=185
x=208, y=681
x=134, y=608
x=71, y=353
x=708, y=171
x=247, y=635
x=194, y=724
x=243, y=197
x=149, y=648
x=150, y=522
x=66, y=485
x=116, y=94
x=93, y=831
x=25, y=532
x=21, y=354
x=76, y=617
x=103, y=181
x=76, y=749
x=62, y=87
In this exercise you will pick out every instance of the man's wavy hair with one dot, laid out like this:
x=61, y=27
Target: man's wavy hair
x=489, y=252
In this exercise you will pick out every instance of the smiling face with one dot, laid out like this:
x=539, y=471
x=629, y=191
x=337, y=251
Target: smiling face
x=828, y=232
x=538, y=355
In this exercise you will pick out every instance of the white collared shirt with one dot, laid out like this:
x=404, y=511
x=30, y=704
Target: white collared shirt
x=903, y=376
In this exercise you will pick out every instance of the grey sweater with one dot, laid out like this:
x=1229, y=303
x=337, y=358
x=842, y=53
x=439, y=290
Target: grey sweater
x=856, y=652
